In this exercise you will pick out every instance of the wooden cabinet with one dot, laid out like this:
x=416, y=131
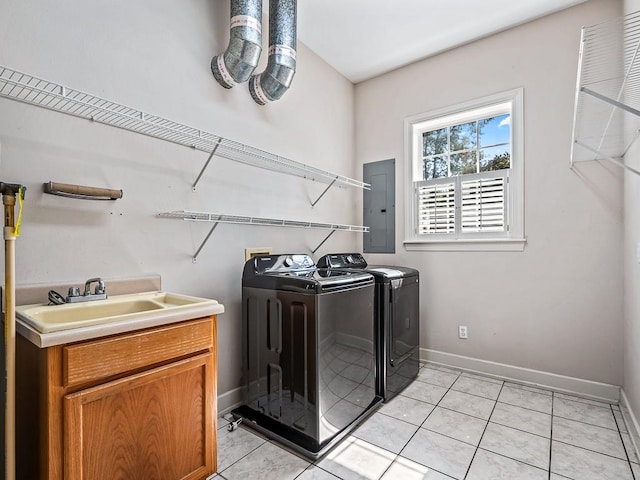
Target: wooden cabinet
x=140, y=405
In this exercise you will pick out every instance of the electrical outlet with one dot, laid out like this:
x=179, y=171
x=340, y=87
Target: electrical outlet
x=462, y=331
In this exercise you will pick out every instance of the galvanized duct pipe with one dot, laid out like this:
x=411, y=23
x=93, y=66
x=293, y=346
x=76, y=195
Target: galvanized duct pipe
x=240, y=59
x=271, y=84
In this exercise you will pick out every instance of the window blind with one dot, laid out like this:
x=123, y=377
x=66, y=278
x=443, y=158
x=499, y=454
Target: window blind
x=475, y=203
x=482, y=205
x=436, y=208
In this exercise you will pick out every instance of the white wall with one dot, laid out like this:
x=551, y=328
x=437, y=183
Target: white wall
x=556, y=306
x=632, y=270
x=154, y=55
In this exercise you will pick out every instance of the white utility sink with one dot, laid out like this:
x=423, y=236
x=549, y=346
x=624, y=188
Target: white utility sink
x=117, y=309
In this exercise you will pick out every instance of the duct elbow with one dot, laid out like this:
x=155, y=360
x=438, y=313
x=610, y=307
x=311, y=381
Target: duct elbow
x=236, y=65
x=271, y=84
x=240, y=59
x=276, y=79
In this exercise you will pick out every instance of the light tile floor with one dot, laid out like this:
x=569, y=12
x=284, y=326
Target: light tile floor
x=452, y=424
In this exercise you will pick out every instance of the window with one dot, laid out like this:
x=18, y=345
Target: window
x=465, y=169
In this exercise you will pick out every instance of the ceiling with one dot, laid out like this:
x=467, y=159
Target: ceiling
x=365, y=38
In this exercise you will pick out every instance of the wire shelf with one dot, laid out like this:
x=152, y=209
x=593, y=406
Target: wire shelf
x=217, y=218
x=607, y=104
x=32, y=90
x=270, y=222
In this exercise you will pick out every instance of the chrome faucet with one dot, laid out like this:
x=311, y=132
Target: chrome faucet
x=99, y=287
x=99, y=293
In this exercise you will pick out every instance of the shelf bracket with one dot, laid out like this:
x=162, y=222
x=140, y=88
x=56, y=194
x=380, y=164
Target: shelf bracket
x=193, y=187
x=611, y=101
x=610, y=159
x=631, y=142
x=322, y=242
x=325, y=191
x=206, y=239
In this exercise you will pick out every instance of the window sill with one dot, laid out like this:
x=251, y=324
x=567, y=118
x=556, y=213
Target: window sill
x=467, y=245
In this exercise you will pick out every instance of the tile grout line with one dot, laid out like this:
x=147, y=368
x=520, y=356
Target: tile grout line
x=450, y=388
x=513, y=459
x=553, y=400
x=475, y=394
x=404, y=421
x=420, y=426
x=594, y=451
x=313, y=464
x=483, y=432
x=510, y=427
x=519, y=429
x=552, y=415
x=393, y=461
x=624, y=446
x=584, y=401
x=589, y=424
x=417, y=430
x=503, y=403
x=584, y=448
x=248, y=453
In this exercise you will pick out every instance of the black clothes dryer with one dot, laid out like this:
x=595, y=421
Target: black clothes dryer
x=309, y=351
x=397, y=314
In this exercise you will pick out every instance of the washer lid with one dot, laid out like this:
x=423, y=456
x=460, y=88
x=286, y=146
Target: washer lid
x=297, y=273
x=291, y=262
x=392, y=272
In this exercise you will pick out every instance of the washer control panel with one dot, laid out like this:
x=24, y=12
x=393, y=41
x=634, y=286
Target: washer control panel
x=342, y=260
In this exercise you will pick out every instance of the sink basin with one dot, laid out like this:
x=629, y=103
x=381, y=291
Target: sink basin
x=119, y=308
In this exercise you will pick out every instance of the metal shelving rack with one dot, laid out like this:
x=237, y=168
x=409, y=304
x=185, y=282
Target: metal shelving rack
x=36, y=91
x=607, y=104
x=265, y=222
x=29, y=89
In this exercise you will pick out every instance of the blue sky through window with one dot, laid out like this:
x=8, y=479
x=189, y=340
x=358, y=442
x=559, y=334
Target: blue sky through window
x=497, y=130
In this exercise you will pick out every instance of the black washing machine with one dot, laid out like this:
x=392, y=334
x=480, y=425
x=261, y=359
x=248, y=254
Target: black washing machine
x=397, y=314
x=309, y=351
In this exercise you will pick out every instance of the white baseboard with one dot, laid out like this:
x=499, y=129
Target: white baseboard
x=631, y=421
x=586, y=388
x=561, y=383
x=229, y=400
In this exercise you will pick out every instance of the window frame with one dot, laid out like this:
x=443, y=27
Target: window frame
x=414, y=126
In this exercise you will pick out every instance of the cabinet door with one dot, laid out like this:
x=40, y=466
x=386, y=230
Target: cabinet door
x=155, y=425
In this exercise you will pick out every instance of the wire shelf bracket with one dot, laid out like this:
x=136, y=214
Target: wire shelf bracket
x=322, y=242
x=206, y=164
x=265, y=222
x=29, y=89
x=615, y=161
x=313, y=204
x=606, y=120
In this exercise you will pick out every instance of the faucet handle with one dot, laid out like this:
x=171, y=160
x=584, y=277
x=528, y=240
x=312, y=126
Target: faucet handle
x=100, y=288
